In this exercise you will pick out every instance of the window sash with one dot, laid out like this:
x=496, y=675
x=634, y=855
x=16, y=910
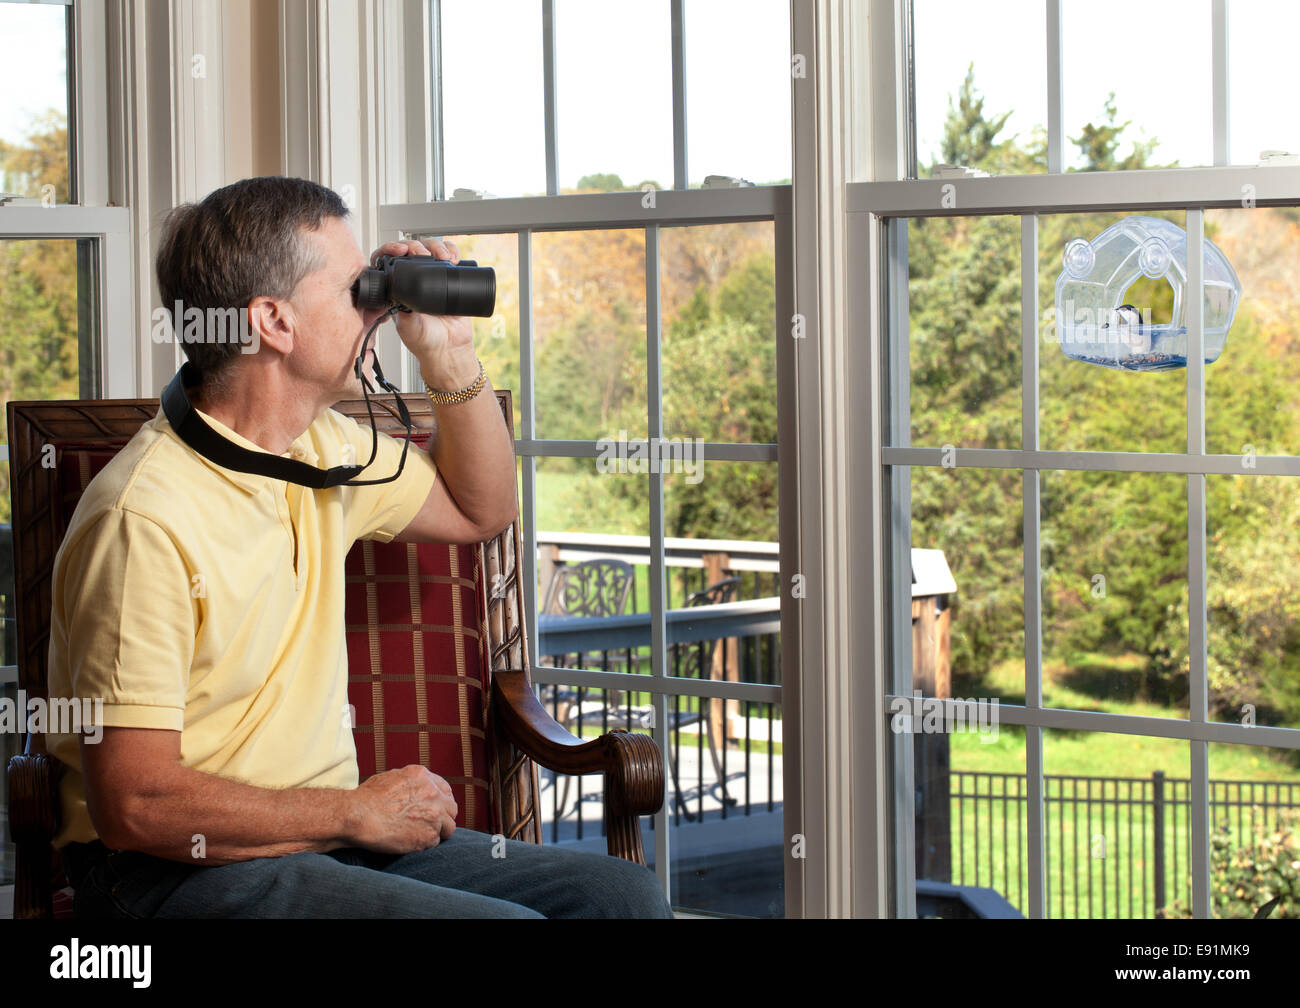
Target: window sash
x=1219, y=82
x=886, y=206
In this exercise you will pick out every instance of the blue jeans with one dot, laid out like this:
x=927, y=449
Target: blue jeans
x=458, y=878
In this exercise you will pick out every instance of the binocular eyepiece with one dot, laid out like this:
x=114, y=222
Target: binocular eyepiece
x=428, y=285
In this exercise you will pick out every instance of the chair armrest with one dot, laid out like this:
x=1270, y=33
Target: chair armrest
x=632, y=762
x=32, y=824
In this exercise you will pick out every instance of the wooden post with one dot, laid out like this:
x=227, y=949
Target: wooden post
x=932, y=675
x=547, y=560
x=725, y=664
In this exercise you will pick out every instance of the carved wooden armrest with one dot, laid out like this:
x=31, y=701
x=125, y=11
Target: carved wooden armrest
x=32, y=824
x=632, y=764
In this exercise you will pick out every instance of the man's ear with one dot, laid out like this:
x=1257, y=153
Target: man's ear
x=271, y=322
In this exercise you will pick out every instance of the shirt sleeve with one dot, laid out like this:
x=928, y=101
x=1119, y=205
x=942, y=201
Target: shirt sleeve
x=381, y=511
x=126, y=618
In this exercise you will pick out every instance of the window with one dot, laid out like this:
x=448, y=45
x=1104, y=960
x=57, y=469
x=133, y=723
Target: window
x=64, y=257
x=636, y=320
x=1063, y=79
x=1105, y=528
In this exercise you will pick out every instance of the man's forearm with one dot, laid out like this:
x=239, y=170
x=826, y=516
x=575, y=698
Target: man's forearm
x=235, y=821
x=473, y=451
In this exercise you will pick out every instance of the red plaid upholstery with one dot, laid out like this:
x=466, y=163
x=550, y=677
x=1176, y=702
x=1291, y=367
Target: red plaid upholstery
x=417, y=664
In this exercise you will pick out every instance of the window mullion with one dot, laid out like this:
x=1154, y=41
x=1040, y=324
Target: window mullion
x=900, y=679
x=1219, y=78
x=436, y=128
x=1033, y=603
x=658, y=633
x=1196, y=563
x=549, y=88
x=527, y=424
x=681, y=180
x=1055, y=93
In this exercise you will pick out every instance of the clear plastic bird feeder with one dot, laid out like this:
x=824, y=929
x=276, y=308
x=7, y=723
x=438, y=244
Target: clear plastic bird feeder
x=1094, y=322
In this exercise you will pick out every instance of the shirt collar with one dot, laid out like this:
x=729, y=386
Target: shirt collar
x=252, y=483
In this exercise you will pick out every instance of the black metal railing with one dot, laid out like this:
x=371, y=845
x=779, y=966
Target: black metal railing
x=1113, y=846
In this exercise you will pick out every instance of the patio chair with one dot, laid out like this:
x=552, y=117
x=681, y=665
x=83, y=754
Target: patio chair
x=483, y=729
x=695, y=660
x=596, y=589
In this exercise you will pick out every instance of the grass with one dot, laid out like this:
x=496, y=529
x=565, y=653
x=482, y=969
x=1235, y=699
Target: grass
x=1103, y=754
x=1099, y=857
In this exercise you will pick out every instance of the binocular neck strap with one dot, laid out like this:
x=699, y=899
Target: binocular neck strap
x=192, y=429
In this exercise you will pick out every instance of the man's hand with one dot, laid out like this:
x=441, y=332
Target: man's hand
x=404, y=810
x=443, y=345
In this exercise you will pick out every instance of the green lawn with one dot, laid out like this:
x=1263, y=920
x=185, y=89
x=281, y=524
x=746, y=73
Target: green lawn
x=1103, y=852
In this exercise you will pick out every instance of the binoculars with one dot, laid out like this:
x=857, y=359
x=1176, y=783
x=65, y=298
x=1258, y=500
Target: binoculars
x=431, y=286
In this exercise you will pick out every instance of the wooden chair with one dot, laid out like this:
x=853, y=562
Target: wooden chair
x=471, y=717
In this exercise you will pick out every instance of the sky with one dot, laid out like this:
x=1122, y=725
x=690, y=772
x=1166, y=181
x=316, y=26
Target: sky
x=1154, y=54
x=614, y=87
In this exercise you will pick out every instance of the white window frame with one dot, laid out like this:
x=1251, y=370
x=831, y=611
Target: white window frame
x=879, y=309
x=90, y=216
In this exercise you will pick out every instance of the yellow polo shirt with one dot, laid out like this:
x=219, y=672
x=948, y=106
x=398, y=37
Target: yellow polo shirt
x=190, y=597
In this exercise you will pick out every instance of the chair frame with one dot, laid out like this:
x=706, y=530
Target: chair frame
x=521, y=733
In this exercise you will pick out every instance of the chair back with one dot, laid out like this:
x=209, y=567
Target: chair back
x=596, y=588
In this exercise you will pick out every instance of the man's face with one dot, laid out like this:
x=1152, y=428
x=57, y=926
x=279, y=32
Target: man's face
x=330, y=327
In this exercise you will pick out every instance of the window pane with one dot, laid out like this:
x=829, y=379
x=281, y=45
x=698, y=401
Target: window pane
x=1261, y=55
x=1250, y=405
x=1085, y=406
x=1255, y=832
x=615, y=107
x=1114, y=556
x=725, y=806
x=492, y=110
x=738, y=89
x=956, y=42
x=719, y=339
x=589, y=334
x=970, y=804
x=589, y=572
x=965, y=331
x=1129, y=50
x=34, y=101
x=1253, y=626
x=47, y=340
x=727, y=514
x=1118, y=824
x=971, y=642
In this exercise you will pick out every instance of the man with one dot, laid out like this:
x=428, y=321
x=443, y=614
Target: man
x=204, y=607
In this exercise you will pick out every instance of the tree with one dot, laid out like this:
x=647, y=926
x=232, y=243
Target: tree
x=39, y=339
x=1099, y=143
x=964, y=309
x=607, y=182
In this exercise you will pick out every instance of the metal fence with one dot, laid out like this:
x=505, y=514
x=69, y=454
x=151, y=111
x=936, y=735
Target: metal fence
x=1114, y=846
